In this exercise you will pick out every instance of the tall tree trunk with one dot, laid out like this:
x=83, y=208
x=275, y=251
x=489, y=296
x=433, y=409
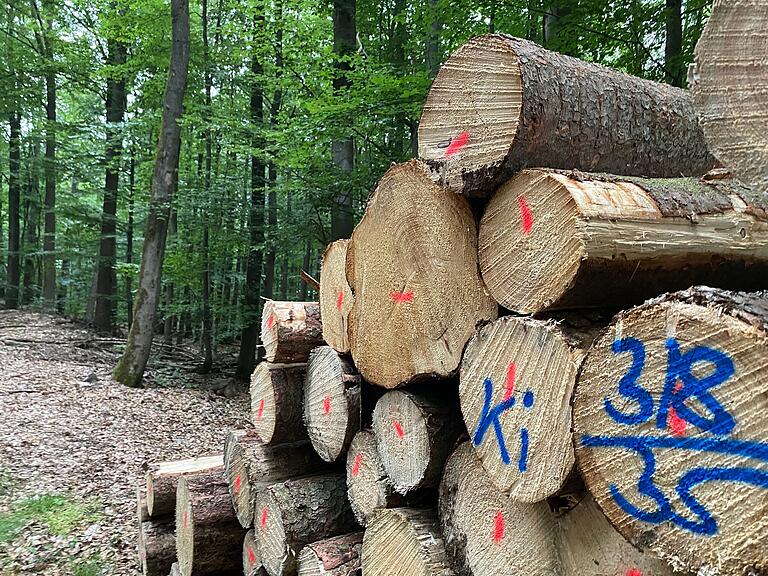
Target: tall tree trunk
x=169, y=320
x=14, y=201
x=343, y=150
x=673, y=47
x=305, y=266
x=106, y=278
x=129, y=237
x=131, y=366
x=432, y=51
x=49, y=235
x=31, y=223
x=286, y=253
x=252, y=290
x=554, y=39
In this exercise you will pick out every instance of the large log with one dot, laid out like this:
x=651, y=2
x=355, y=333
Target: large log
x=337, y=556
x=404, y=542
x=414, y=434
x=332, y=402
x=730, y=87
x=552, y=239
x=209, y=538
x=163, y=477
x=669, y=428
x=368, y=487
x=516, y=382
x=336, y=296
x=289, y=330
x=253, y=465
x=251, y=561
x=293, y=513
x=277, y=402
x=500, y=104
x=157, y=546
x=412, y=263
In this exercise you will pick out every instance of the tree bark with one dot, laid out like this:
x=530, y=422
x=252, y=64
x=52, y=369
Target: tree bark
x=277, y=394
x=168, y=317
x=49, y=236
x=129, y=237
x=673, y=44
x=157, y=546
x=31, y=250
x=551, y=240
x=290, y=330
x=14, y=201
x=337, y=556
x=336, y=296
x=500, y=104
x=163, y=477
x=130, y=368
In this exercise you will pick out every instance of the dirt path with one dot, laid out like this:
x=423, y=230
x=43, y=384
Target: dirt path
x=72, y=445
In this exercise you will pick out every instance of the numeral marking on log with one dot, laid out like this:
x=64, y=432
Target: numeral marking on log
x=264, y=514
x=400, y=297
x=453, y=145
x=525, y=214
x=398, y=429
x=251, y=555
x=356, y=465
x=260, y=412
x=238, y=482
x=327, y=405
x=340, y=300
x=498, y=527
x=672, y=416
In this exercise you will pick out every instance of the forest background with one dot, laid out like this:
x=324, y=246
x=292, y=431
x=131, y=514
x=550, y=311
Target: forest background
x=293, y=110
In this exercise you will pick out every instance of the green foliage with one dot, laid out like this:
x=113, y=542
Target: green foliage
x=58, y=513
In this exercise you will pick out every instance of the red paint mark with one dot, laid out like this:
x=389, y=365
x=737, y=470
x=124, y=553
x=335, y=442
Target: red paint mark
x=340, y=300
x=264, y=513
x=510, y=381
x=525, y=214
x=251, y=555
x=676, y=424
x=633, y=572
x=260, y=413
x=399, y=297
x=238, y=482
x=457, y=144
x=270, y=321
x=398, y=428
x=327, y=405
x=498, y=527
x=356, y=464
x=185, y=518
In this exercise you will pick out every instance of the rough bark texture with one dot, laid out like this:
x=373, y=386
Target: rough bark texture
x=336, y=296
x=332, y=402
x=49, y=236
x=157, y=546
x=251, y=561
x=289, y=330
x=163, y=477
x=500, y=104
x=277, y=402
x=669, y=431
x=527, y=368
x=414, y=435
x=251, y=465
x=729, y=86
x=404, y=542
x=208, y=536
x=296, y=512
x=337, y=556
x=368, y=487
x=14, y=201
x=412, y=264
x=551, y=239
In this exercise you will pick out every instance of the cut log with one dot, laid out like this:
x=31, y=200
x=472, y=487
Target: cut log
x=412, y=263
x=486, y=532
x=367, y=484
x=337, y=556
x=730, y=87
x=332, y=408
x=277, y=402
x=335, y=296
x=293, y=513
x=500, y=104
x=415, y=434
x=253, y=465
x=251, y=561
x=209, y=538
x=516, y=382
x=552, y=240
x=157, y=546
x=229, y=443
x=404, y=542
x=163, y=477
x=289, y=330
x=669, y=428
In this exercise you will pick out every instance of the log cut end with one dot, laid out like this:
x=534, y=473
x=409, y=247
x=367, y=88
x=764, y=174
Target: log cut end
x=289, y=330
x=404, y=542
x=337, y=556
x=251, y=561
x=331, y=402
x=367, y=485
x=162, y=478
x=336, y=296
x=472, y=112
x=277, y=401
x=239, y=482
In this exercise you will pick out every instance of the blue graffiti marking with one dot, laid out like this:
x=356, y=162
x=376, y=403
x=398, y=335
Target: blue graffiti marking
x=522, y=463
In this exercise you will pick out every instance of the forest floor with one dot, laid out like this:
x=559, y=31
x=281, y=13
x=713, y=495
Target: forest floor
x=73, y=443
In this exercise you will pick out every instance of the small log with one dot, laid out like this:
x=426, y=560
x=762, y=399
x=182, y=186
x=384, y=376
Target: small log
x=551, y=240
x=253, y=465
x=367, y=484
x=157, y=546
x=337, y=556
x=229, y=443
x=289, y=330
x=208, y=536
x=500, y=104
x=412, y=263
x=515, y=386
x=251, y=561
x=163, y=477
x=486, y=532
x=332, y=408
x=729, y=87
x=404, y=541
x=277, y=402
x=669, y=428
x=336, y=296
x=414, y=434
x=293, y=513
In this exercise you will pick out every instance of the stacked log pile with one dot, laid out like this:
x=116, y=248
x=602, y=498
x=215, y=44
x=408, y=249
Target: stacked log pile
x=475, y=401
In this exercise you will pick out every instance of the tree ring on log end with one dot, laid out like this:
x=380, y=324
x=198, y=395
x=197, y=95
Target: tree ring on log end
x=274, y=551
x=277, y=402
x=185, y=529
x=238, y=479
x=366, y=479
